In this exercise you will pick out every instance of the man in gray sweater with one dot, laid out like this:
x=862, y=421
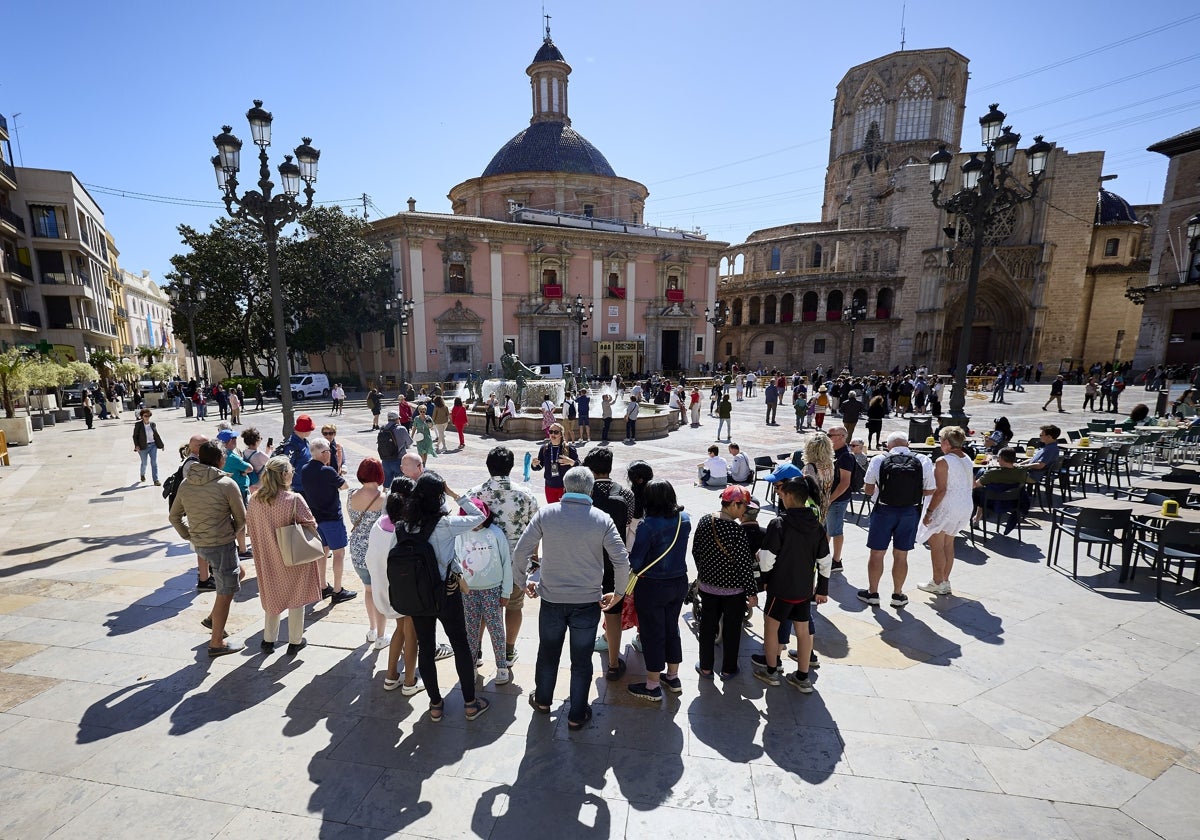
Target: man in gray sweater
x=569, y=580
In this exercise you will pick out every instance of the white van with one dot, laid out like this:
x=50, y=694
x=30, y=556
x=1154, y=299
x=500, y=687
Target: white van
x=551, y=371
x=308, y=385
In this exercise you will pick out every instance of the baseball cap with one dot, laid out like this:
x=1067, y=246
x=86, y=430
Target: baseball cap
x=226, y=435
x=735, y=493
x=480, y=505
x=783, y=472
x=393, y=415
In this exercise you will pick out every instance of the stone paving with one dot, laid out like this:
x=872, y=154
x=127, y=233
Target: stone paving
x=1026, y=705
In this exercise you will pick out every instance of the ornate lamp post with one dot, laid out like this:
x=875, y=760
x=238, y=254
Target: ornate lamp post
x=269, y=214
x=716, y=316
x=579, y=314
x=186, y=300
x=858, y=311
x=988, y=190
x=401, y=308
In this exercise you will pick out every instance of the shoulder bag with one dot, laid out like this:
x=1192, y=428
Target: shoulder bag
x=633, y=576
x=297, y=544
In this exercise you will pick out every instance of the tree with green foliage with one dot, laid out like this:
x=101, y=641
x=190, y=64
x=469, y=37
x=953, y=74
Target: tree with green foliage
x=13, y=363
x=104, y=363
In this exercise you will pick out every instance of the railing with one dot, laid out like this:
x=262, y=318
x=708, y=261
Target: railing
x=8, y=215
x=121, y=312
x=63, y=278
x=91, y=323
x=29, y=318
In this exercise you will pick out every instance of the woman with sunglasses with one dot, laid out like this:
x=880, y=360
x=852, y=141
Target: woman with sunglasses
x=337, y=455
x=556, y=457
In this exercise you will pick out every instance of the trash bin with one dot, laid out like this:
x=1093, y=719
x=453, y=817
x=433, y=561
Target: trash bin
x=187, y=408
x=1162, y=405
x=920, y=429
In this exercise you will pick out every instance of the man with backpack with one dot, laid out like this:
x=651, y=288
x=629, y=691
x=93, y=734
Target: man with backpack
x=204, y=581
x=903, y=479
x=392, y=442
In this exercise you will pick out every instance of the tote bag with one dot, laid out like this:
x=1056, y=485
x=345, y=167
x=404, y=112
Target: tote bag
x=297, y=544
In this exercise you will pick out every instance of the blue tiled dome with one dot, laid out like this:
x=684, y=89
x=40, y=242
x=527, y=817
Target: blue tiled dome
x=1111, y=209
x=548, y=52
x=549, y=147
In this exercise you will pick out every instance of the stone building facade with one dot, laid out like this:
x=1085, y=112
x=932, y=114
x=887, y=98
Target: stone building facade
x=1170, y=323
x=547, y=224
x=883, y=252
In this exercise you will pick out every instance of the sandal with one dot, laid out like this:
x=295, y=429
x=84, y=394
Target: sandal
x=477, y=708
x=614, y=674
x=436, y=710
x=576, y=725
x=538, y=707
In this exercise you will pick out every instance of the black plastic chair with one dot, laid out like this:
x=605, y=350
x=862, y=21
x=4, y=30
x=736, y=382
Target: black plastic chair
x=1073, y=474
x=1000, y=502
x=763, y=464
x=1090, y=527
x=1177, y=542
x=1118, y=463
x=1044, y=486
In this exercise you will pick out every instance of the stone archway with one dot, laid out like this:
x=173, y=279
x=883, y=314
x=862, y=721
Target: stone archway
x=998, y=331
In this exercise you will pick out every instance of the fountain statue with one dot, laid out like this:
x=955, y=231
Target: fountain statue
x=511, y=364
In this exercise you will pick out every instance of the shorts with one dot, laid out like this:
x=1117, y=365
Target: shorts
x=610, y=580
x=333, y=534
x=362, y=571
x=516, y=600
x=223, y=564
x=897, y=525
x=835, y=518
x=569, y=425
x=785, y=611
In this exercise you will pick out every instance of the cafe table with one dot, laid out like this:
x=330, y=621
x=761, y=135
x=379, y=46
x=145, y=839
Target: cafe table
x=1140, y=511
x=1155, y=485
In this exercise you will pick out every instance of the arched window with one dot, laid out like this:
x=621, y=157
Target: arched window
x=723, y=268
x=816, y=256
x=914, y=109
x=833, y=306
x=883, y=304
x=808, y=307
x=769, y=310
x=871, y=110
x=775, y=258
x=739, y=264
x=787, y=309
x=736, y=313
x=755, y=305
x=859, y=299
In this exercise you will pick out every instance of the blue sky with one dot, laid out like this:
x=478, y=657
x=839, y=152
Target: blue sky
x=722, y=110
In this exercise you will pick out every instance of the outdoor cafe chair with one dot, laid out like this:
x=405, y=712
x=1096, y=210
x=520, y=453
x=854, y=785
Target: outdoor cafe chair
x=1000, y=502
x=1172, y=542
x=1090, y=527
x=1074, y=474
x=1118, y=462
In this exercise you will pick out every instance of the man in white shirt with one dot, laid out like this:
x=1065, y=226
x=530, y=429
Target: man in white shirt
x=740, y=469
x=714, y=472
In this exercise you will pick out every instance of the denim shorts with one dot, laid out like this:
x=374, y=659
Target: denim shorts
x=223, y=564
x=897, y=525
x=333, y=534
x=363, y=574
x=835, y=519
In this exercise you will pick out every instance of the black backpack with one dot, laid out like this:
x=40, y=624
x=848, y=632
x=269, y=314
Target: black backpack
x=171, y=486
x=901, y=481
x=385, y=442
x=857, y=477
x=415, y=585
x=570, y=409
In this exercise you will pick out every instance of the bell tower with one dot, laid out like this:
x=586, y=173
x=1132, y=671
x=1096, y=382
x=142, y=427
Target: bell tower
x=548, y=80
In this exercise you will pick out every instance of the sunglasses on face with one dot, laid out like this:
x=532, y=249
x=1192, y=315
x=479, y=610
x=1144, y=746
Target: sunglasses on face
x=328, y=434
x=555, y=432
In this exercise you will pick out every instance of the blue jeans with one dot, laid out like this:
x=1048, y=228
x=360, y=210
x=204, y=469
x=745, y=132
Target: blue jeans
x=149, y=453
x=554, y=620
x=391, y=470
x=728, y=426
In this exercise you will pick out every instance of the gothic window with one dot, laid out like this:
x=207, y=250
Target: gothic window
x=833, y=306
x=816, y=256
x=914, y=109
x=787, y=309
x=808, y=307
x=755, y=303
x=870, y=111
x=775, y=258
x=769, y=310
x=456, y=279
x=736, y=314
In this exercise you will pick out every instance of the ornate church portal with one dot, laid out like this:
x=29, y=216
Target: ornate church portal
x=624, y=358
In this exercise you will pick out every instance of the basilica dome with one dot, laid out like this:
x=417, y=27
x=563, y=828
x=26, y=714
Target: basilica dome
x=1111, y=209
x=549, y=147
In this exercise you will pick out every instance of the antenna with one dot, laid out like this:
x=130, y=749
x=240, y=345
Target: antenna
x=902, y=10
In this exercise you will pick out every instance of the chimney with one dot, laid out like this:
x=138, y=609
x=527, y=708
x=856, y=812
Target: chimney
x=412, y=205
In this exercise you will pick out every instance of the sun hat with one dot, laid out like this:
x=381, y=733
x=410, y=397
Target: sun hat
x=304, y=424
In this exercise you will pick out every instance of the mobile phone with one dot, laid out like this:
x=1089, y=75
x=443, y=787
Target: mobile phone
x=270, y=442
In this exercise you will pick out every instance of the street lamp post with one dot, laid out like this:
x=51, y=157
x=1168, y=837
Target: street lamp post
x=402, y=308
x=988, y=190
x=858, y=311
x=269, y=214
x=187, y=302
x=579, y=314
x=716, y=316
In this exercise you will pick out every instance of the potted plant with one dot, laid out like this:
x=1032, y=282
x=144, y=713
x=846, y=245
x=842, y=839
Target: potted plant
x=18, y=431
x=83, y=374
x=63, y=376
x=42, y=375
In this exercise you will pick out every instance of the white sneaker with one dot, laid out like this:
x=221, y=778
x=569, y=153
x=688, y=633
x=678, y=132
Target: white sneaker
x=931, y=587
x=372, y=636
x=946, y=588
x=381, y=642
x=503, y=676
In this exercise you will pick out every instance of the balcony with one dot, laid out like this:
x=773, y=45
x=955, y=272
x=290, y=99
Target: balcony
x=67, y=284
x=3, y=123
x=10, y=173
x=92, y=324
x=7, y=216
x=21, y=319
x=122, y=312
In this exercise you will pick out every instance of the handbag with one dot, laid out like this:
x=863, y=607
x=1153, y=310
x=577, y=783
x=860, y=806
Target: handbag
x=297, y=544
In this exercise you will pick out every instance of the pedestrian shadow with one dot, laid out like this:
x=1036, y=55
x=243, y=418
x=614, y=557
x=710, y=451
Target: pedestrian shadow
x=800, y=736
x=114, y=491
x=912, y=637
x=145, y=544
x=134, y=706
x=550, y=795
x=726, y=722
x=972, y=617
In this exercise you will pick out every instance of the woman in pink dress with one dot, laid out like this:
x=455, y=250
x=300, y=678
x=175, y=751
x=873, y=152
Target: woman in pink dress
x=458, y=416
x=280, y=587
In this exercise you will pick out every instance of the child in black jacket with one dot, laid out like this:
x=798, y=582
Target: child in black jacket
x=799, y=576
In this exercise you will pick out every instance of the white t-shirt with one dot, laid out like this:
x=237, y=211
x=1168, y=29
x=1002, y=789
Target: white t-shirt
x=739, y=468
x=717, y=467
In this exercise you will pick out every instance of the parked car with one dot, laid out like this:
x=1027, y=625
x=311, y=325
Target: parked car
x=73, y=394
x=307, y=385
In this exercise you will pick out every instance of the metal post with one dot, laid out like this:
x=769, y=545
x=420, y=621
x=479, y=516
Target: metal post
x=277, y=317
